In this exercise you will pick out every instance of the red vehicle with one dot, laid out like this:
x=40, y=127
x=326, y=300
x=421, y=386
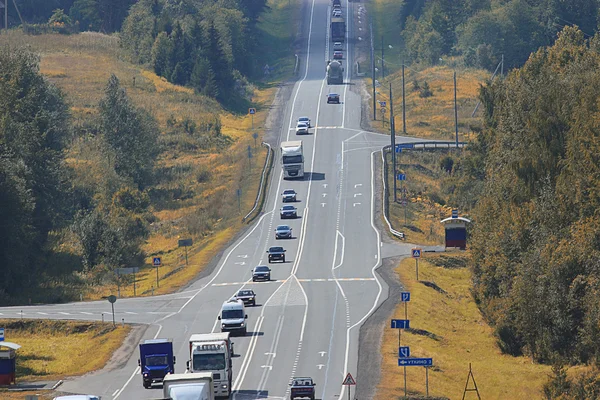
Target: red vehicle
x=302, y=388
x=338, y=55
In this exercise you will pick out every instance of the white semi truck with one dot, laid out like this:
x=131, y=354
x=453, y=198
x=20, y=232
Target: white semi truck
x=292, y=159
x=212, y=352
x=197, y=386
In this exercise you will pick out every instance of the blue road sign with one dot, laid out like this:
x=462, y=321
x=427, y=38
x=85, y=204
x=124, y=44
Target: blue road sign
x=156, y=261
x=400, y=324
x=382, y=103
x=405, y=296
x=1, y=334
x=252, y=111
x=416, y=253
x=398, y=149
x=405, y=146
x=403, y=352
x=401, y=177
x=415, y=362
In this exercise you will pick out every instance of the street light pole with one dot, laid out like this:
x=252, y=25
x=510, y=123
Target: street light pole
x=373, y=73
x=393, y=139
x=382, y=66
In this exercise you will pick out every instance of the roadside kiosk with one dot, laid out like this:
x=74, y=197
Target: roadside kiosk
x=8, y=367
x=456, y=230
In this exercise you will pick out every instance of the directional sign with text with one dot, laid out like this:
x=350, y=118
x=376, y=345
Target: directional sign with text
x=416, y=253
x=405, y=296
x=400, y=324
x=405, y=146
x=1, y=334
x=415, y=362
x=156, y=261
x=403, y=352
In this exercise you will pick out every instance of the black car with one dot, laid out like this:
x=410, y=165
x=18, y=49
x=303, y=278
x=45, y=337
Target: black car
x=276, y=253
x=247, y=296
x=288, y=212
x=333, y=98
x=261, y=273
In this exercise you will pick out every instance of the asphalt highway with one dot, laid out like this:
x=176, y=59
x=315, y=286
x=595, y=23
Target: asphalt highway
x=307, y=319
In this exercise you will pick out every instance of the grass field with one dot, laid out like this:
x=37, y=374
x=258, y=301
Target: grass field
x=447, y=326
x=65, y=354
x=209, y=178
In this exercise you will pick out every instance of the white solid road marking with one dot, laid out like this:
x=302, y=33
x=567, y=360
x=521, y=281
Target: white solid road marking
x=115, y=392
x=130, y=312
x=42, y=313
x=86, y=313
x=64, y=313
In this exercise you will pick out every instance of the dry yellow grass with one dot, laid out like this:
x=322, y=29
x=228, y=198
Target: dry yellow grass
x=463, y=337
x=67, y=353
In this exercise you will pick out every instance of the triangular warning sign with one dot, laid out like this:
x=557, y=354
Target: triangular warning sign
x=349, y=380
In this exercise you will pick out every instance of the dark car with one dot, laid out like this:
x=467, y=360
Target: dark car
x=289, y=195
x=333, y=98
x=283, y=232
x=247, y=296
x=261, y=273
x=276, y=253
x=338, y=55
x=288, y=212
x=302, y=388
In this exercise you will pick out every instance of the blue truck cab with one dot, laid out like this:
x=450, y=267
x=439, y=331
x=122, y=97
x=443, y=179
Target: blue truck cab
x=156, y=360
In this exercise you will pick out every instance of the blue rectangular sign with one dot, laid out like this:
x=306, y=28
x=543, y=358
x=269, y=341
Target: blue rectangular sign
x=403, y=352
x=405, y=146
x=156, y=261
x=400, y=324
x=405, y=296
x=1, y=334
x=415, y=362
x=398, y=150
x=401, y=177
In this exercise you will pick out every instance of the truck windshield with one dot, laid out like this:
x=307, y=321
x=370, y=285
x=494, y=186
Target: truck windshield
x=209, y=362
x=156, y=360
x=232, y=314
x=292, y=159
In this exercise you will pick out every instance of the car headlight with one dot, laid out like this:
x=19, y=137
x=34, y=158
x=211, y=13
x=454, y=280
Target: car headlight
x=145, y=374
x=224, y=386
x=243, y=324
x=222, y=325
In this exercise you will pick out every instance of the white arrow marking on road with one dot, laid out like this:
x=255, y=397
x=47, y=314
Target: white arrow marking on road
x=357, y=185
x=323, y=204
x=240, y=263
x=322, y=353
x=324, y=186
x=243, y=256
x=320, y=366
x=354, y=204
x=271, y=354
x=267, y=366
x=324, y=194
x=357, y=194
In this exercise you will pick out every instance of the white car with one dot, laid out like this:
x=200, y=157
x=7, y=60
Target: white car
x=338, y=46
x=301, y=128
x=306, y=120
x=337, y=12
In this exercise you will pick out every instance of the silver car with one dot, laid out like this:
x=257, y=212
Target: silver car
x=301, y=128
x=283, y=232
x=288, y=212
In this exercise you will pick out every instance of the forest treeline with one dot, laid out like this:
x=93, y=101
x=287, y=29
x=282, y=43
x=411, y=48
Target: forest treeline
x=97, y=208
x=535, y=240
x=481, y=31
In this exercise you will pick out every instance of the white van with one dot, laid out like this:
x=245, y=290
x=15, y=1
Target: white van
x=233, y=317
x=77, y=397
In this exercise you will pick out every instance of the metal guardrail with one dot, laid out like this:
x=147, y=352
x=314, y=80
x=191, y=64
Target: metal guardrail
x=262, y=179
x=297, y=64
x=431, y=145
x=386, y=196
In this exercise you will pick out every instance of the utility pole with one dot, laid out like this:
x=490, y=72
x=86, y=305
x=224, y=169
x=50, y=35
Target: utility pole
x=393, y=136
x=6, y=15
x=403, y=104
x=455, y=111
x=373, y=73
x=382, y=67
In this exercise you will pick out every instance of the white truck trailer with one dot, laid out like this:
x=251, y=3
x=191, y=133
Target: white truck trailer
x=212, y=352
x=292, y=159
x=197, y=386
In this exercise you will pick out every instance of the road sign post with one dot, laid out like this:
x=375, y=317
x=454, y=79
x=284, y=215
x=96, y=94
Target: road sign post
x=185, y=243
x=405, y=298
x=252, y=111
x=156, y=261
x=112, y=299
x=416, y=254
x=349, y=381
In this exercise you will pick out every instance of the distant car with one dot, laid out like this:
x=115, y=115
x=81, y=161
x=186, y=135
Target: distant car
x=283, y=232
x=276, y=253
x=302, y=388
x=301, y=128
x=288, y=212
x=333, y=98
x=337, y=7
x=338, y=46
x=289, y=195
x=247, y=296
x=338, y=55
x=261, y=273
x=337, y=12
x=306, y=120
